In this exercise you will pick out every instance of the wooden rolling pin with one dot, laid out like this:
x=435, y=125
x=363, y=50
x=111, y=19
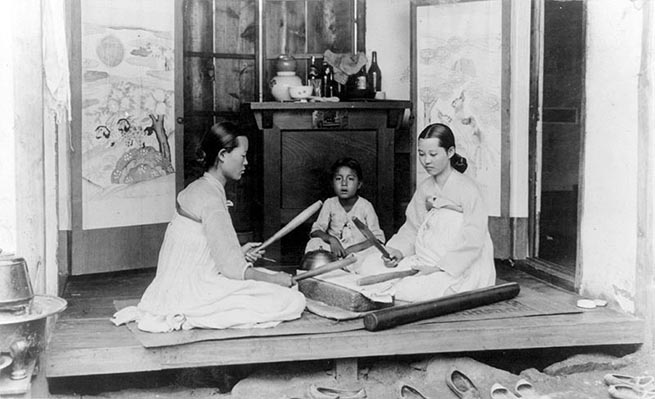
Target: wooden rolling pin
x=328, y=267
x=397, y=315
x=382, y=277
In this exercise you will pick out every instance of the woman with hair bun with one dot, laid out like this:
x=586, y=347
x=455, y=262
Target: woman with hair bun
x=205, y=279
x=445, y=237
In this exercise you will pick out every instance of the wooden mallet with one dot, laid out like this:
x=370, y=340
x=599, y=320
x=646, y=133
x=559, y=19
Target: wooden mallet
x=328, y=267
x=295, y=222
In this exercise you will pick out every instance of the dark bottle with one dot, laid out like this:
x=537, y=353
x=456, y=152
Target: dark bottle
x=314, y=78
x=326, y=86
x=357, y=86
x=374, y=76
x=313, y=69
x=360, y=80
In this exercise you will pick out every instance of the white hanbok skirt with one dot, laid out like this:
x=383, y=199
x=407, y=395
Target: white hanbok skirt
x=189, y=292
x=436, y=236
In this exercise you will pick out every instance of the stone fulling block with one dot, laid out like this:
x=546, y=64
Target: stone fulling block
x=339, y=296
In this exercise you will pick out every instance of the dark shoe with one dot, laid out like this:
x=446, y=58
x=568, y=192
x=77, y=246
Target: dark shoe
x=409, y=392
x=461, y=385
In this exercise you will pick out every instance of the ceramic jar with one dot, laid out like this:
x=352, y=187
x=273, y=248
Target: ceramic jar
x=285, y=63
x=280, y=85
x=285, y=77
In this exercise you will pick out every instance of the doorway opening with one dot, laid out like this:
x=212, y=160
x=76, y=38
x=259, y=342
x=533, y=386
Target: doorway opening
x=556, y=138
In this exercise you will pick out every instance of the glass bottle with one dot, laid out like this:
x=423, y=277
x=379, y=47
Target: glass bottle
x=327, y=78
x=374, y=76
x=314, y=78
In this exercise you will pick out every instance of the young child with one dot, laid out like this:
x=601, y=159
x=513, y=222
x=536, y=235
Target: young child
x=334, y=229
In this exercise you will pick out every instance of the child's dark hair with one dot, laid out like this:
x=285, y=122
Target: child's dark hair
x=350, y=163
x=220, y=136
x=446, y=140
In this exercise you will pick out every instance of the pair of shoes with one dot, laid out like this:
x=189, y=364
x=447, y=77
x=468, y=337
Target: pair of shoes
x=500, y=392
x=316, y=392
x=625, y=391
x=642, y=383
x=461, y=385
x=523, y=388
x=409, y=392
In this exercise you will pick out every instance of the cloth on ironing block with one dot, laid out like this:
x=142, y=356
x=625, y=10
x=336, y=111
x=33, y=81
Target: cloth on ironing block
x=338, y=288
x=376, y=292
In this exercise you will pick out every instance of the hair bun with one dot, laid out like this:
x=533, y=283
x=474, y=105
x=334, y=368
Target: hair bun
x=459, y=163
x=200, y=155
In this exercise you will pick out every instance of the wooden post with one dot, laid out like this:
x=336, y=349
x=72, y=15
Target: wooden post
x=645, y=272
x=198, y=75
x=346, y=370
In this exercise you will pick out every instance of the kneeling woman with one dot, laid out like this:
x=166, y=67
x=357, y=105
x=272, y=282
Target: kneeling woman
x=445, y=236
x=205, y=279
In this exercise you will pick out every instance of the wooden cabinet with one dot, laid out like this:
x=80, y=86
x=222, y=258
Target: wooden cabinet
x=297, y=144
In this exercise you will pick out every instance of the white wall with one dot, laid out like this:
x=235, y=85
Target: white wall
x=7, y=140
x=609, y=211
x=388, y=33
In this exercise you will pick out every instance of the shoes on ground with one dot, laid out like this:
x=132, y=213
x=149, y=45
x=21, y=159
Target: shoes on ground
x=316, y=392
x=643, y=383
x=461, y=385
x=409, y=392
x=524, y=389
x=625, y=391
x=500, y=392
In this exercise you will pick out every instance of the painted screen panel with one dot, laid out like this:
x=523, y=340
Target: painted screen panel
x=459, y=66
x=127, y=91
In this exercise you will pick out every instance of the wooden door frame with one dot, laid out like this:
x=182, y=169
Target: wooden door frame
x=549, y=271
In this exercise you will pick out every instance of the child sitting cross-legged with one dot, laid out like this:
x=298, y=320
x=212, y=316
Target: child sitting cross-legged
x=334, y=229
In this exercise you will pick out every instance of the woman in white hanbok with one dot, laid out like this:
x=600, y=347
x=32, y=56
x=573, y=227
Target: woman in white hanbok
x=205, y=279
x=445, y=236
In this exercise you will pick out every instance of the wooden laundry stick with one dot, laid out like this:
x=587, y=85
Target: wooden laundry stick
x=328, y=267
x=397, y=315
x=382, y=277
x=295, y=222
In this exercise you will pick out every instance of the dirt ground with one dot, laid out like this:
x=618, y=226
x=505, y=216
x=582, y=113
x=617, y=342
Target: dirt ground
x=558, y=373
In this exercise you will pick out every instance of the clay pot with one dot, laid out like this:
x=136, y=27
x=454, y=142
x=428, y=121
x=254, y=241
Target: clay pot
x=285, y=63
x=15, y=287
x=314, y=259
x=280, y=85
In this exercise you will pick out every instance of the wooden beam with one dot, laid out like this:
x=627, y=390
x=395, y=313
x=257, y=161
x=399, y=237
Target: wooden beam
x=94, y=346
x=645, y=273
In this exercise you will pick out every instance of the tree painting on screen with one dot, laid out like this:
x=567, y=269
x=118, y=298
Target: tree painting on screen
x=127, y=113
x=459, y=62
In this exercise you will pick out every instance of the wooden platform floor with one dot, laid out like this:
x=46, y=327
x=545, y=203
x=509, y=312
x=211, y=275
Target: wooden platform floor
x=85, y=342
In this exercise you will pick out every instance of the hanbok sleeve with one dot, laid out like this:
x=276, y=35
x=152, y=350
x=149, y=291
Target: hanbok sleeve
x=472, y=236
x=209, y=205
x=323, y=219
x=224, y=243
x=405, y=239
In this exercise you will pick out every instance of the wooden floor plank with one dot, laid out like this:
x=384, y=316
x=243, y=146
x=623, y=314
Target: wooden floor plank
x=85, y=342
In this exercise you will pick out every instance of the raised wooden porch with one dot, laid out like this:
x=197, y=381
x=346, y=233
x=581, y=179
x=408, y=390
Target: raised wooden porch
x=85, y=342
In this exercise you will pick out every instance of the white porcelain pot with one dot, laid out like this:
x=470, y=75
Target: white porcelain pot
x=280, y=85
